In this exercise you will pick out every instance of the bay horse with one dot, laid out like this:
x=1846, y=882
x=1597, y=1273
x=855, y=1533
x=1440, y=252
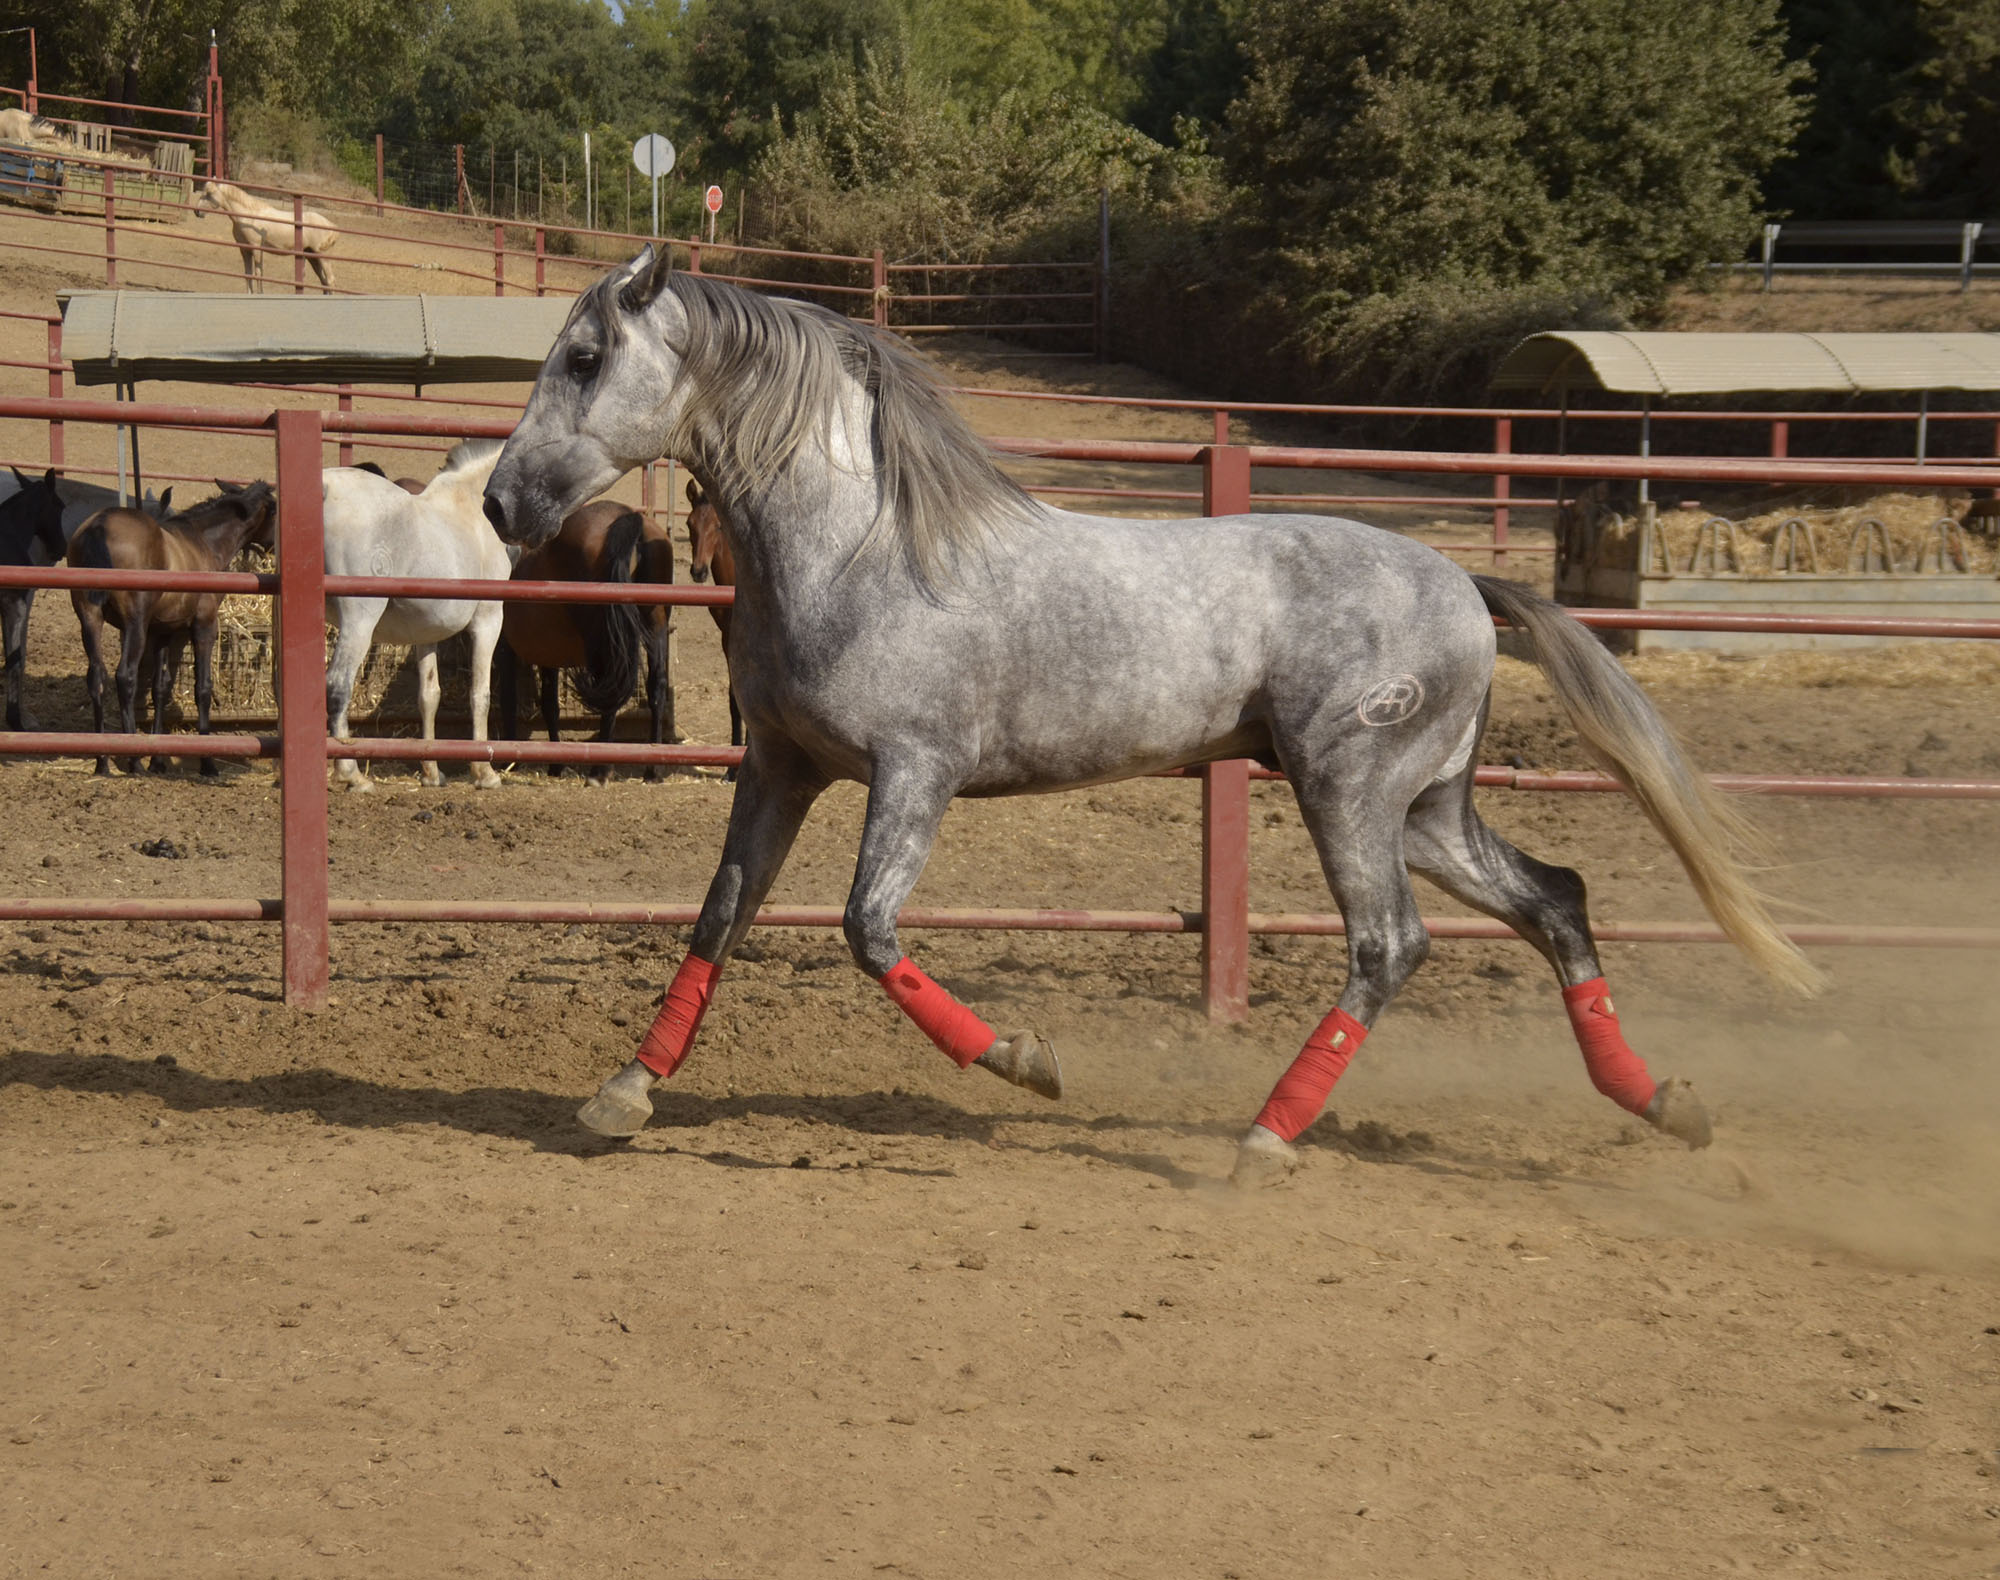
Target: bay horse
x=378, y=528
x=598, y=643
x=709, y=559
x=261, y=228
x=907, y=617
x=157, y=626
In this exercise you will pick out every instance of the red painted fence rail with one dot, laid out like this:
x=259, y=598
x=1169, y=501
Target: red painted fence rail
x=305, y=909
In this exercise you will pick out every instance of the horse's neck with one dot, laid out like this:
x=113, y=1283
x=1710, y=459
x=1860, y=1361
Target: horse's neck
x=220, y=541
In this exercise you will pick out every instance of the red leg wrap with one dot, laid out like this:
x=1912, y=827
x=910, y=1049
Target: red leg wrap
x=1302, y=1090
x=679, y=1018
x=954, y=1028
x=1615, y=1070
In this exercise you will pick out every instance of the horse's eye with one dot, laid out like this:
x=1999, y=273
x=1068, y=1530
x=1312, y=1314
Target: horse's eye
x=583, y=364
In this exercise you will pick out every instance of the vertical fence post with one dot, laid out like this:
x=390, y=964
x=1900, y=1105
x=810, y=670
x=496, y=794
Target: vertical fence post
x=298, y=245
x=346, y=439
x=694, y=257
x=378, y=175
x=541, y=260
x=499, y=260
x=459, y=193
x=1100, y=305
x=1781, y=439
x=1222, y=432
x=1225, y=804
x=110, y=232
x=302, y=707
x=55, y=392
x=881, y=295
x=1503, y=444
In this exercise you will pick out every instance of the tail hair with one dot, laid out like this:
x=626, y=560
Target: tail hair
x=1625, y=734
x=605, y=684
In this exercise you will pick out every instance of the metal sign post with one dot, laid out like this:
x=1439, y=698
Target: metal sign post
x=654, y=157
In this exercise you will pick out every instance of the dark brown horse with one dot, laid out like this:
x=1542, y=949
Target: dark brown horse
x=599, y=643
x=709, y=559
x=158, y=625
x=31, y=533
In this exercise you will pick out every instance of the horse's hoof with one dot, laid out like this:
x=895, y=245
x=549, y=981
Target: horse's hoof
x=160, y=765
x=360, y=784
x=1263, y=1157
x=433, y=778
x=483, y=777
x=1026, y=1060
x=1676, y=1111
x=208, y=768
x=555, y=770
x=103, y=768
x=621, y=1107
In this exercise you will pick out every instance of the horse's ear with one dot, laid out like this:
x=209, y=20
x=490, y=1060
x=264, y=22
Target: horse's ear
x=48, y=480
x=19, y=480
x=657, y=262
x=167, y=503
x=694, y=492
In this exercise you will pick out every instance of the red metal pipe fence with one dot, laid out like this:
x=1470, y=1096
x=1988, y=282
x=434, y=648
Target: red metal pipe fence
x=305, y=909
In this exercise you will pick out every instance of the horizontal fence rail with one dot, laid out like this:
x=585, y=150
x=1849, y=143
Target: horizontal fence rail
x=1224, y=921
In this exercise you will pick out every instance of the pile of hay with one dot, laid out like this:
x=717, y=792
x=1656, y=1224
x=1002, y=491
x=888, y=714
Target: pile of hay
x=1833, y=538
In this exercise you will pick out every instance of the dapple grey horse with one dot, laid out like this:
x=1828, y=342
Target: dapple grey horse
x=908, y=618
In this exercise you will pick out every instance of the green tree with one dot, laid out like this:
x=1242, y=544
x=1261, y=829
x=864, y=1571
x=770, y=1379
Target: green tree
x=1948, y=112
x=1397, y=153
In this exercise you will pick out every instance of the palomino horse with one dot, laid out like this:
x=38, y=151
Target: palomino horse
x=157, y=625
x=262, y=228
x=709, y=556
x=600, y=643
x=376, y=528
x=908, y=618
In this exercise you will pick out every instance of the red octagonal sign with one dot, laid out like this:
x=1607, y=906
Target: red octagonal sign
x=713, y=198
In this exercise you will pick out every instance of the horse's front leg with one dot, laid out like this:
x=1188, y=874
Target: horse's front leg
x=251, y=263
x=429, y=694
x=778, y=787
x=906, y=803
x=549, y=699
x=204, y=683
x=659, y=693
x=485, y=637
x=166, y=669
x=131, y=654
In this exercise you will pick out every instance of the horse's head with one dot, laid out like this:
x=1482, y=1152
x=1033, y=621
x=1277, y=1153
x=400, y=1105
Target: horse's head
x=250, y=509
x=605, y=401
x=708, y=550
x=39, y=508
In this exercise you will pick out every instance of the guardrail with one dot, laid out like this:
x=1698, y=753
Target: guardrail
x=305, y=909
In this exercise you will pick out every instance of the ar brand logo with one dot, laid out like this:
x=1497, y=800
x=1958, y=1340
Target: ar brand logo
x=1391, y=701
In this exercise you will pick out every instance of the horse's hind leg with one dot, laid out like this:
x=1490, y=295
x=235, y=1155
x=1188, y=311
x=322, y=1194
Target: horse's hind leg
x=485, y=627
x=777, y=789
x=166, y=669
x=1357, y=830
x=204, y=684
x=429, y=694
x=131, y=655
x=906, y=803
x=355, y=620
x=90, y=628
x=14, y=606
x=1447, y=843
x=548, y=698
x=659, y=696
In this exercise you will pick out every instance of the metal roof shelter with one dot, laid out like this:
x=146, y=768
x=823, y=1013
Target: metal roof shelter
x=1668, y=364
x=121, y=337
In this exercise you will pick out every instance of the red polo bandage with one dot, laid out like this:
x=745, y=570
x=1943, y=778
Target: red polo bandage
x=954, y=1028
x=1615, y=1070
x=1302, y=1090
x=680, y=1017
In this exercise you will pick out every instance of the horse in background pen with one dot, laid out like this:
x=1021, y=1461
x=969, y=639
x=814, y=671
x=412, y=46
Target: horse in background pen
x=156, y=626
x=709, y=557
x=262, y=228
x=377, y=528
x=598, y=643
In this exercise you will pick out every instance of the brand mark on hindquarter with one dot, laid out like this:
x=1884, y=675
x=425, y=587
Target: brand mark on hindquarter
x=1390, y=701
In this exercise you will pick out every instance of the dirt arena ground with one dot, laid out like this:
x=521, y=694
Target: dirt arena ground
x=350, y=1294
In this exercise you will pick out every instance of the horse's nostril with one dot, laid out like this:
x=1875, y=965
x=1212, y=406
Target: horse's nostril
x=497, y=514
x=698, y=572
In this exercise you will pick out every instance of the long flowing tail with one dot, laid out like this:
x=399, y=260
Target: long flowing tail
x=605, y=684
x=1628, y=738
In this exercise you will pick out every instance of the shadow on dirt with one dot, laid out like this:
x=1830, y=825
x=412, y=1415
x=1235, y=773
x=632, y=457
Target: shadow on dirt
x=547, y=1122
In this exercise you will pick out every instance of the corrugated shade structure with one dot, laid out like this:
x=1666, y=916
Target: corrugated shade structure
x=120, y=337
x=1722, y=364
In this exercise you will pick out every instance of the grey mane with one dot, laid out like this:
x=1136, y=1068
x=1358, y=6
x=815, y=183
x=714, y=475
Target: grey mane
x=470, y=452
x=767, y=373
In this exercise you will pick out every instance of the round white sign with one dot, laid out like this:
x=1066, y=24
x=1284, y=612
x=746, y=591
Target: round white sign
x=653, y=155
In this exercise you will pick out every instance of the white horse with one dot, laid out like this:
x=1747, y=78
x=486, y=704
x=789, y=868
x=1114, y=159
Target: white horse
x=264, y=227
x=375, y=528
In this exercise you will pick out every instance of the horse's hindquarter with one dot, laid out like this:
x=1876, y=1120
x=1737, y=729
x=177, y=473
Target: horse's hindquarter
x=373, y=528
x=1096, y=648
